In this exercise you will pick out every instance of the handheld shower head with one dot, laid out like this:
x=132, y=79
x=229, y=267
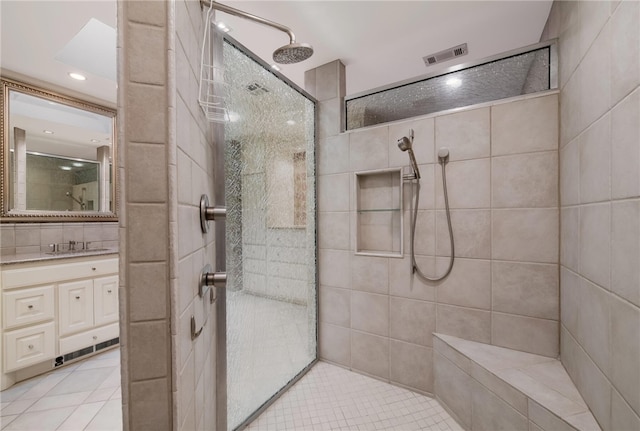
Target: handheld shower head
x=406, y=144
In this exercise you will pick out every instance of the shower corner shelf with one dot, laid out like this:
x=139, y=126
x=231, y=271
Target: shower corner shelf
x=379, y=216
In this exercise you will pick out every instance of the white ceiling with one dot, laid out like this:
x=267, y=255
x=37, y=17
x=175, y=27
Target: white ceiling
x=380, y=42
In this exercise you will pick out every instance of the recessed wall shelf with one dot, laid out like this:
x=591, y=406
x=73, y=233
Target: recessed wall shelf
x=379, y=220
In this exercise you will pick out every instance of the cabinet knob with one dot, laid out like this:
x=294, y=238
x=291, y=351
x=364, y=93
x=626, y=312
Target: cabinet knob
x=93, y=268
x=95, y=337
x=29, y=307
x=77, y=297
x=30, y=346
x=109, y=291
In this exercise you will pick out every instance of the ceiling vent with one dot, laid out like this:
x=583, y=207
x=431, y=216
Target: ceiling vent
x=257, y=89
x=445, y=55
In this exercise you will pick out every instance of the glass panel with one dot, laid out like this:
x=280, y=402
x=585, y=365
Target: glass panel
x=270, y=230
x=520, y=74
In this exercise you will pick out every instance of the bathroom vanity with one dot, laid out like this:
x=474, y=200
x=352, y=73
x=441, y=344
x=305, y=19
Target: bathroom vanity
x=56, y=308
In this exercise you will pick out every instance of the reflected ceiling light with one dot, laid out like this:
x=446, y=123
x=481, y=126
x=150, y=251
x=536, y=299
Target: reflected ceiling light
x=454, y=82
x=77, y=76
x=77, y=164
x=48, y=132
x=291, y=122
x=95, y=141
x=222, y=26
x=275, y=67
x=65, y=168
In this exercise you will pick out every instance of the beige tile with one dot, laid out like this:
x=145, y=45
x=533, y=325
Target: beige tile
x=333, y=155
x=570, y=238
x=453, y=355
x=334, y=268
x=147, y=291
x=491, y=413
x=148, y=181
x=148, y=229
x=379, y=232
x=625, y=157
x=593, y=324
x=150, y=406
x=149, y=344
x=595, y=239
x=471, y=232
x=333, y=192
x=625, y=250
x=539, y=336
x=412, y=321
x=553, y=375
x=466, y=134
x=326, y=80
x=146, y=54
x=625, y=350
x=310, y=81
x=334, y=306
x=329, y=118
x=595, y=161
x=525, y=126
x=570, y=292
x=505, y=391
x=467, y=323
x=370, y=354
x=425, y=235
x=625, y=60
x=148, y=12
x=145, y=124
x=571, y=107
x=402, y=282
x=583, y=421
x=426, y=186
x=333, y=230
x=596, y=78
x=468, y=285
x=545, y=419
x=423, y=142
x=451, y=386
x=334, y=344
x=525, y=181
x=525, y=235
x=468, y=184
x=622, y=416
x=370, y=274
x=370, y=313
x=369, y=149
x=27, y=235
x=527, y=289
x=570, y=172
x=570, y=51
x=411, y=365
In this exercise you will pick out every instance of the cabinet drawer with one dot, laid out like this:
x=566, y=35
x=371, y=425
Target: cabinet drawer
x=25, y=306
x=28, y=346
x=88, y=338
x=37, y=273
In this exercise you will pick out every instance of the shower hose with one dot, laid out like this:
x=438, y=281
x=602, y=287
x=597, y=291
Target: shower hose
x=415, y=267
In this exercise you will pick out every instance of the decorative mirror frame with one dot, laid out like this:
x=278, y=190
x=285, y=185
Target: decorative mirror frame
x=7, y=215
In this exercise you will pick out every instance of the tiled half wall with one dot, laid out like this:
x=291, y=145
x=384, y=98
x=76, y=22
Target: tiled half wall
x=375, y=316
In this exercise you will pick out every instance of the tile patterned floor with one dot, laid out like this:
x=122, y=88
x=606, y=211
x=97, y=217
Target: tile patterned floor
x=84, y=396
x=332, y=398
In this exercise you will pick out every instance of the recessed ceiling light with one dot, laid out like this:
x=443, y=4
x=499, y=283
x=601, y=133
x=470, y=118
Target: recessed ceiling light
x=275, y=67
x=65, y=168
x=95, y=141
x=48, y=132
x=454, y=82
x=77, y=76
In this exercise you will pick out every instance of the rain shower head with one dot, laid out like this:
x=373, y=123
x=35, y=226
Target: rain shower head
x=292, y=53
x=406, y=144
x=288, y=54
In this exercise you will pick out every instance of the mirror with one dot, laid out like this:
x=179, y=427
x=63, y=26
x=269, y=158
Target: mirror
x=57, y=160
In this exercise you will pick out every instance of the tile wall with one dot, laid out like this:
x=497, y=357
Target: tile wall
x=375, y=316
x=23, y=238
x=599, y=53
x=168, y=378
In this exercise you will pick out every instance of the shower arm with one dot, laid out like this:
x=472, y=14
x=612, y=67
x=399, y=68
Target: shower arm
x=237, y=12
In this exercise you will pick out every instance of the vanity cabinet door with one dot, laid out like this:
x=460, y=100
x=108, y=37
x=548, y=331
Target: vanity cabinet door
x=75, y=304
x=105, y=297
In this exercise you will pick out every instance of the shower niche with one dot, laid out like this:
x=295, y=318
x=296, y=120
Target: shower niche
x=379, y=219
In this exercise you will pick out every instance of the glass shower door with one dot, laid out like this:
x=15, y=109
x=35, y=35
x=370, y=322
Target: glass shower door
x=270, y=234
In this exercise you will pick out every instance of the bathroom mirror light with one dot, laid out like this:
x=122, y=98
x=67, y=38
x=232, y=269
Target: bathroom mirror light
x=40, y=170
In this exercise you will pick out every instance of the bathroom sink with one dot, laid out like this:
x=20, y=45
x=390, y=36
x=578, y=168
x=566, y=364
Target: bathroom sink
x=65, y=252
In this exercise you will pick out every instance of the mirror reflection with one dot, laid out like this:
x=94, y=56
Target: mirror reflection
x=59, y=155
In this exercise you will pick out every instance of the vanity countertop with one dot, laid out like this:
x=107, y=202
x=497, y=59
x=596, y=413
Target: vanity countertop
x=37, y=257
